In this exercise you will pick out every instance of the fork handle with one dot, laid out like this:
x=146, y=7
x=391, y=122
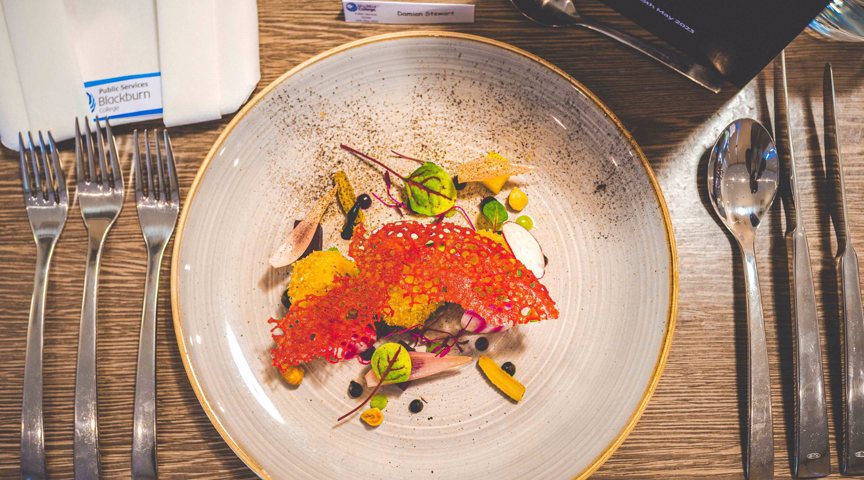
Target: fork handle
x=32, y=431
x=144, y=423
x=86, y=439
x=852, y=460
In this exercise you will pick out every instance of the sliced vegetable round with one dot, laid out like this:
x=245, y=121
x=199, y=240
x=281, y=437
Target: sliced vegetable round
x=525, y=247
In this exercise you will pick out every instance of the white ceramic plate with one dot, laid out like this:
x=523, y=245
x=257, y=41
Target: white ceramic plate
x=449, y=97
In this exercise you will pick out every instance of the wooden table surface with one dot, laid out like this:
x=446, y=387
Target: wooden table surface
x=692, y=427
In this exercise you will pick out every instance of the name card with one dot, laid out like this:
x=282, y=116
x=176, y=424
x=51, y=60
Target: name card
x=407, y=12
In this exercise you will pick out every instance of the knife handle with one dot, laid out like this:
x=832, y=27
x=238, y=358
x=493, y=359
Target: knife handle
x=853, y=361
x=811, y=415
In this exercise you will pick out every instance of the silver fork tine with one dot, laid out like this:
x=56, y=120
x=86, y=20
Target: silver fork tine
x=36, y=177
x=47, y=176
x=116, y=172
x=59, y=176
x=88, y=140
x=25, y=175
x=161, y=188
x=171, y=167
x=147, y=164
x=80, y=173
x=104, y=177
x=136, y=166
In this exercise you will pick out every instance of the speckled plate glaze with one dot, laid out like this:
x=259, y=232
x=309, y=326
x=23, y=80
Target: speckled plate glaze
x=445, y=97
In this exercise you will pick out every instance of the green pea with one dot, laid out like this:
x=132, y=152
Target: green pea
x=378, y=401
x=525, y=221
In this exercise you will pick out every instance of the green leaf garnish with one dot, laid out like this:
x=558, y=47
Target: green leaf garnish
x=400, y=366
x=494, y=211
x=439, y=194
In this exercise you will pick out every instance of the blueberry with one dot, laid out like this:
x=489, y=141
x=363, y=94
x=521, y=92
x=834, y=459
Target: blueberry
x=481, y=344
x=509, y=368
x=286, y=300
x=366, y=355
x=355, y=389
x=365, y=201
x=416, y=406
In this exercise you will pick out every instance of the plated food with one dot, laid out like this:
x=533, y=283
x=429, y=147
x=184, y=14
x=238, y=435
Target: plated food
x=449, y=99
x=379, y=303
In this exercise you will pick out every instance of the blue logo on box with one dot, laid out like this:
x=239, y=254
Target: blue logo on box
x=351, y=7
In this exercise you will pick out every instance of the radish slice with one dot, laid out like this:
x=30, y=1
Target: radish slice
x=424, y=364
x=474, y=323
x=300, y=238
x=525, y=247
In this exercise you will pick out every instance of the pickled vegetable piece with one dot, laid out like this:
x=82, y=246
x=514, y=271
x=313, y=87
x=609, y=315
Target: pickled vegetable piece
x=345, y=194
x=502, y=380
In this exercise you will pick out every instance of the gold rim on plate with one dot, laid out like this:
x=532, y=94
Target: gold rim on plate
x=670, y=240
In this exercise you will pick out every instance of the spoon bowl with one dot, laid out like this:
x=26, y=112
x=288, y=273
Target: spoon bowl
x=743, y=176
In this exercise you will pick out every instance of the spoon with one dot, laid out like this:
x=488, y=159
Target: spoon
x=743, y=176
x=560, y=13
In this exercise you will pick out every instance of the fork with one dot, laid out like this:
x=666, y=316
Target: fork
x=47, y=204
x=158, y=200
x=100, y=196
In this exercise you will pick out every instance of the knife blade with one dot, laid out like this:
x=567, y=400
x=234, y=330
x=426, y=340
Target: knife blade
x=811, y=458
x=849, y=285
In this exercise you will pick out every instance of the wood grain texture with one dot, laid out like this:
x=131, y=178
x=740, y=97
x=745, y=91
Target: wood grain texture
x=693, y=425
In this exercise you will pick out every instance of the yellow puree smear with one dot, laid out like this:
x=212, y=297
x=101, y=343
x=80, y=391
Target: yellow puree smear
x=313, y=276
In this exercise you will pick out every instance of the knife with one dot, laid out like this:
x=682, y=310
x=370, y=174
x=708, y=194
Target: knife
x=811, y=458
x=852, y=318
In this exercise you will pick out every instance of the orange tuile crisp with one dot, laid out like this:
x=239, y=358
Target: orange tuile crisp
x=436, y=263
